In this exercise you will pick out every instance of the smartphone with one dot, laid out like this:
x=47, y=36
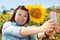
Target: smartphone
x=53, y=16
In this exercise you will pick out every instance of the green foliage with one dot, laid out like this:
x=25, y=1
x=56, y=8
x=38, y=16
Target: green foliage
x=4, y=11
x=46, y=38
x=4, y=18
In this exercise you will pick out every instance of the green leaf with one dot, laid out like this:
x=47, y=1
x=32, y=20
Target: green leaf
x=46, y=38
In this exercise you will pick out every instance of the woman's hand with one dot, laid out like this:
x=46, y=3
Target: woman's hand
x=58, y=29
x=49, y=26
x=51, y=32
x=41, y=35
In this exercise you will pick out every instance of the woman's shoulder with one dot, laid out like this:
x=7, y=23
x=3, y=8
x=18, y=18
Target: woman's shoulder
x=9, y=23
x=6, y=24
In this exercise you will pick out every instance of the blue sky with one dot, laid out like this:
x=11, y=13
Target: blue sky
x=14, y=3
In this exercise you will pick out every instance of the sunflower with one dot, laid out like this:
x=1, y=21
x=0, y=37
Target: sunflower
x=0, y=17
x=36, y=12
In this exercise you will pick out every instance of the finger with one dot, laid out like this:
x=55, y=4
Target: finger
x=54, y=28
x=51, y=32
x=51, y=20
x=49, y=29
x=50, y=24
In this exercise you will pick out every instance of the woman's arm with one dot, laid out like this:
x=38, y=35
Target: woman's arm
x=30, y=30
x=10, y=29
x=41, y=35
x=46, y=27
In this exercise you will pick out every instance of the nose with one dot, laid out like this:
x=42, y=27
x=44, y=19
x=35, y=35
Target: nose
x=22, y=19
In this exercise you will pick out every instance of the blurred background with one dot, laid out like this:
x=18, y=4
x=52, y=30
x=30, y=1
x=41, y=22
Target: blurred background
x=7, y=8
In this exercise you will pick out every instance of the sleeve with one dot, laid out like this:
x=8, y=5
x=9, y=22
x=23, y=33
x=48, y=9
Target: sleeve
x=33, y=37
x=9, y=29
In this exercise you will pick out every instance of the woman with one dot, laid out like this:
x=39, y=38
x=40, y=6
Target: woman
x=14, y=29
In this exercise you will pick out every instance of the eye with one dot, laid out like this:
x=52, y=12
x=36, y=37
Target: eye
x=25, y=16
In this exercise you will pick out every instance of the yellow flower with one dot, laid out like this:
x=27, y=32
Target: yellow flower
x=0, y=17
x=36, y=12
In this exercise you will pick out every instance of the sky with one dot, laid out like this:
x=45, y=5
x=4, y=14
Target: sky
x=14, y=3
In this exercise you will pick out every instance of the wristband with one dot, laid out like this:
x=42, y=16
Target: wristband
x=46, y=34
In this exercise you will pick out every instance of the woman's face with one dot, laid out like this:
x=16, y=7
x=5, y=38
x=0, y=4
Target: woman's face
x=21, y=16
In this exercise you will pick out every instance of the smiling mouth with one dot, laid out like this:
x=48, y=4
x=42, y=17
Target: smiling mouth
x=21, y=21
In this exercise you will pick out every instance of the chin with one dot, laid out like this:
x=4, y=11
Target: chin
x=22, y=24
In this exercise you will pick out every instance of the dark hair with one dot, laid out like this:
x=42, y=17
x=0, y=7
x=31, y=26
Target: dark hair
x=20, y=7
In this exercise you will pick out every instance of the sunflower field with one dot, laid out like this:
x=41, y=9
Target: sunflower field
x=38, y=15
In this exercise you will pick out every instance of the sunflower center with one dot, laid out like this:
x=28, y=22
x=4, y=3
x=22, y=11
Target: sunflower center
x=36, y=13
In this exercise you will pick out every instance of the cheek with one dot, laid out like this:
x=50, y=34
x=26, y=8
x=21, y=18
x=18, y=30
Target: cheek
x=25, y=19
x=16, y=18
